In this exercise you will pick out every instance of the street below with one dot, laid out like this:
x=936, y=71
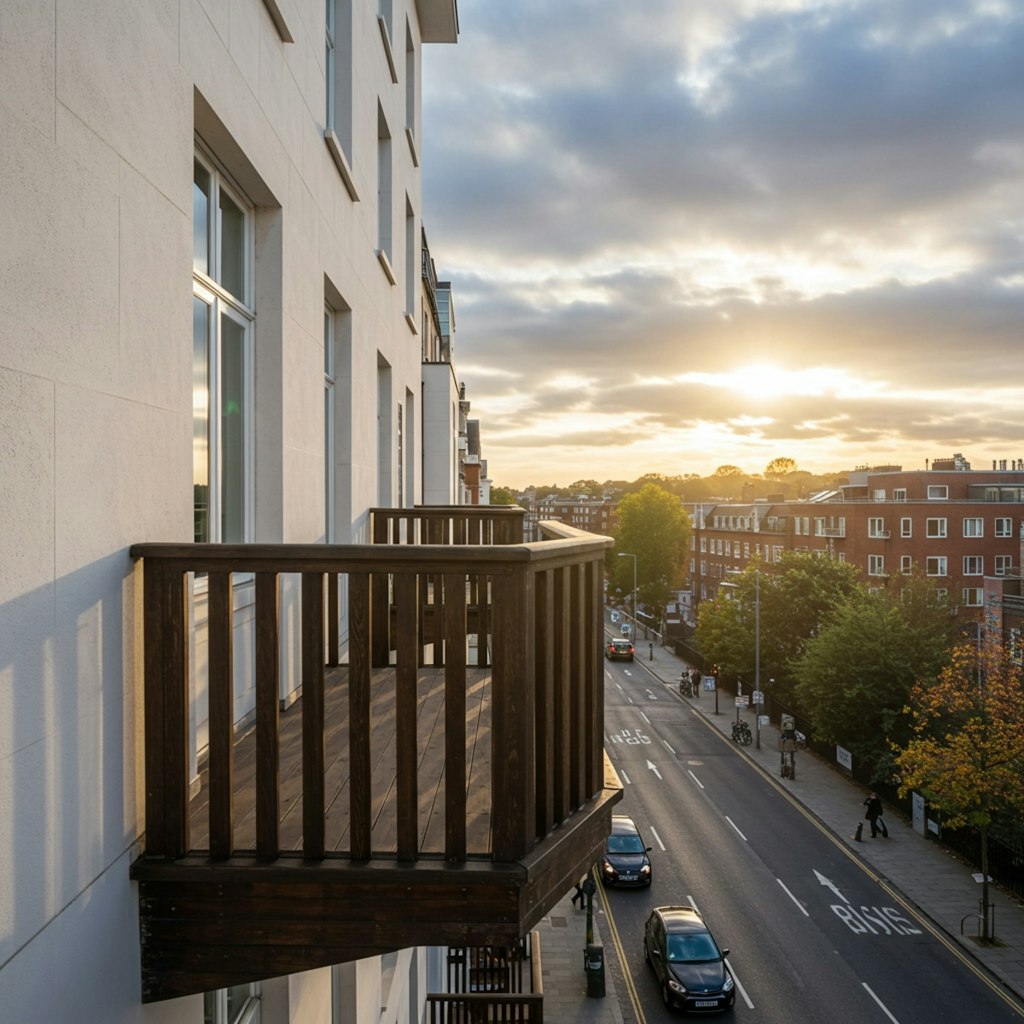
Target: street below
x=813, y=936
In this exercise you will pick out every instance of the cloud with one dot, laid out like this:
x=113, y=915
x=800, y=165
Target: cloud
x=633, y=205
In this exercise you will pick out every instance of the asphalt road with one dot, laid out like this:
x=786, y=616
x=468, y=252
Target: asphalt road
x=813, y=937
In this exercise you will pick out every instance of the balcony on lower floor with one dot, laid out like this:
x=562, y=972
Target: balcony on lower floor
x=440, y=780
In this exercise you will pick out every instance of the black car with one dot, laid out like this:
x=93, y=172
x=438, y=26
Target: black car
x=621, y=650
x=690, y=967
x=625, y=860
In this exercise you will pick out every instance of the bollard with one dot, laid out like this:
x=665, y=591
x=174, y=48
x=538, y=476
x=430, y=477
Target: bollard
x=859, y=833
x=593, y=963
x=652, y=651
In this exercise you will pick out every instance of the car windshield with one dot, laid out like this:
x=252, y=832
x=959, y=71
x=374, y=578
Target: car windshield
x=693, y=948
x=625, y=844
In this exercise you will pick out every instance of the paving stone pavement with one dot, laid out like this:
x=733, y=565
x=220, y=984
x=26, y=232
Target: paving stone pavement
x=935, y=882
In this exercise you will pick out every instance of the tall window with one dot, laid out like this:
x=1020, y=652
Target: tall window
x=936, y=565
x=384, y=239
x=935, y=528
x=906, y=526
x=973, y=597
x=1003, y=565
x=1004, y=526
x=222, y=331
x=906, y=564
x=876, y=565
x=339, y=89
x=329, y=421
x=876, y=527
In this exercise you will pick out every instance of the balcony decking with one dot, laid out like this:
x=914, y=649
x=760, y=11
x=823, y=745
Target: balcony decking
x=430, y=761
x=444, y=786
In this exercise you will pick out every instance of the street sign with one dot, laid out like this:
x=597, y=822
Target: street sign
x=742, y=701
x=757, y=696
x=763, y=720
x=709, y=684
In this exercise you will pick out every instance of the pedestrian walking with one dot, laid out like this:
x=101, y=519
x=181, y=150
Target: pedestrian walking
x=873, y=813
x=578, y=895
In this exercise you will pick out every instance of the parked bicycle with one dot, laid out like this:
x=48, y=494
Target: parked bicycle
x=741, y=733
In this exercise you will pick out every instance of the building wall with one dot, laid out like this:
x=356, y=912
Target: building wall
x=881, y=536
x=100, y=103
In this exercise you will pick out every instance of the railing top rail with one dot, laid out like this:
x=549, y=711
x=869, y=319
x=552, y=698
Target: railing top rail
x=465, y=511
x=373, y=557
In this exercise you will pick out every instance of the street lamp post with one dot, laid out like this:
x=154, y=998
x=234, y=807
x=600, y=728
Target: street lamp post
x=627, y=554
x=757, y=655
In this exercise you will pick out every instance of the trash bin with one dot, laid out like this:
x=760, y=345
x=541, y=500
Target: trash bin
x=593, y=963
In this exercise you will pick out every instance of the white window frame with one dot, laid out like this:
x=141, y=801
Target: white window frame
x=876, y=565
x=876, y=527
x=899, y=494
x=1003, y=565
x=936, y=528
x=936, y=565
x=222, y=304
x=974, y=526
x=972, y=597
x=938, y=492
x=906, y=526
x=216, y=1011
x=974, y=565
x=1003, y=526
x=906, y=564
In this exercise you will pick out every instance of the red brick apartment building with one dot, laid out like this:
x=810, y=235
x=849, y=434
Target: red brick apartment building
x=957, y=524
x=595, y=515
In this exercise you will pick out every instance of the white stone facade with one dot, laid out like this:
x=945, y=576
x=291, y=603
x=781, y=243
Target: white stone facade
x=103, y=107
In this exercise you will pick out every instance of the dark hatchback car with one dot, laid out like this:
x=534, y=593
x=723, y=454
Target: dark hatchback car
x=619, y=650
x=687, y=961
x=625, y=860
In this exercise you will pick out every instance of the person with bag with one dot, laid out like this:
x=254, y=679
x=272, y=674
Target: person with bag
x=874, y=815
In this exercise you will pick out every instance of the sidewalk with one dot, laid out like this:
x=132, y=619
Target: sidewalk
x=933, y=881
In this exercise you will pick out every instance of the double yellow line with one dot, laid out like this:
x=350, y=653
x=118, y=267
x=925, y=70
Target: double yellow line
x=634, y=997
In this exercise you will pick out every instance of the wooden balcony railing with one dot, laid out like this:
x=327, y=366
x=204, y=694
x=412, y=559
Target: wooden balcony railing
x=469, y=688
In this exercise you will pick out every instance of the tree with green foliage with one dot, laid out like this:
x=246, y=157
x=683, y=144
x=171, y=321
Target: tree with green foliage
x=856, y=673
x=654, y=526
x=503, y=496
x=795, y=595
x=967, y=744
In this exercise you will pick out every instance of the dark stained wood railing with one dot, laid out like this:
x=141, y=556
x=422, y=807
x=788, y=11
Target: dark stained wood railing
x=432, y=579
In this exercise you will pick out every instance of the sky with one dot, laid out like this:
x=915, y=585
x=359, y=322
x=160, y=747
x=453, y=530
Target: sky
x=690, y=233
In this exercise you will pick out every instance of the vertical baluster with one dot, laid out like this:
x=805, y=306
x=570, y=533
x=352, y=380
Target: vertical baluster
x=455, y=717
x=560, y=686
x=221, y=691
x=359, y=713
x=577, y=692
x=544, y=718
x=512, y=703
x=268, y=735
x=166, y=710
x=313, y=805
x=407, y=758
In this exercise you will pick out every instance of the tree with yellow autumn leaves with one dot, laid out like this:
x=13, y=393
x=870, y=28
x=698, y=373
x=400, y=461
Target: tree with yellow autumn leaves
x=966, y=754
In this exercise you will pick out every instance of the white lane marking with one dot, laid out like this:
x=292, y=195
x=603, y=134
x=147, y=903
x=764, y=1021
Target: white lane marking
x=803, y=909
x=881, y=1005
x=658, y=838
x=645, y=718
x=626, y=777
x=695, y=779
x=739, y=988
x=650, y=764
x=668, y=746
x=651, y=695
x=735, y=826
